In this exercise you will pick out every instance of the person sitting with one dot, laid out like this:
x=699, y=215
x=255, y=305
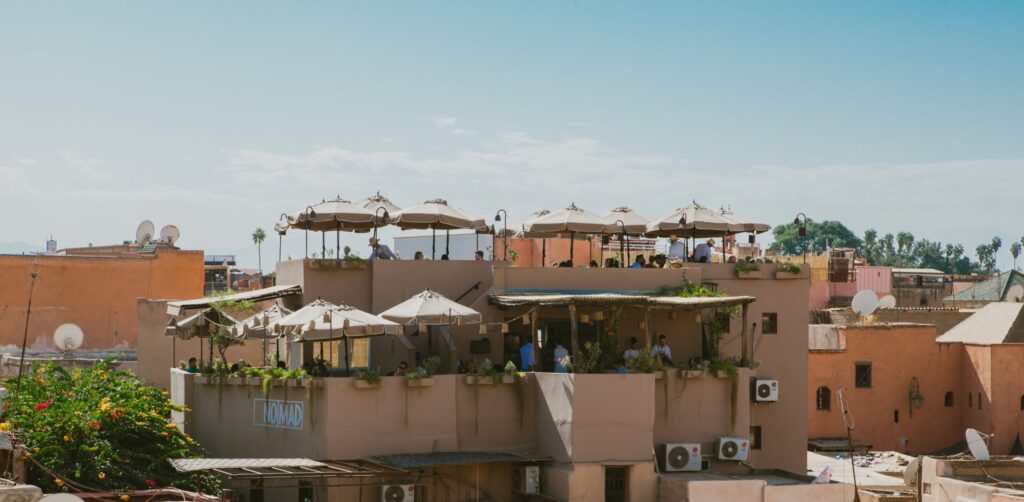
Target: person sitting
x=281, y=364
x=611, y=263
x=633, y=351
x=732, y=259
x=479, y=256
x=192, y=365
x=444, y=257
x=659, y=260
x=380, y=251
x=400, y=370
x=418, y=256
x=662, y=350
x=620, y=367
x=704, y=251
x=639, y=262
x=593, y=263
x=561, y=358
x=676, y=249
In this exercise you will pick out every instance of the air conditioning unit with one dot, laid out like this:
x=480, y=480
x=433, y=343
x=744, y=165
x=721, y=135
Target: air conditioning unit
x=735, y=449
x=398, y=493
x=766, y=391
x=682, y=457
x=526, y=479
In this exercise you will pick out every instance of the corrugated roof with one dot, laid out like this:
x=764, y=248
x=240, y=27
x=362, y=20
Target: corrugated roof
x=205, y=464
x=996, y=323
x=990, y=290
x=256, y=295
x=636, y=299
x=424, y=460
x=917, y=271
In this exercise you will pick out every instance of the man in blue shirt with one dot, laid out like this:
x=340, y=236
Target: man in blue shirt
x=561, y=357
x=703, y=252
x=526, y=355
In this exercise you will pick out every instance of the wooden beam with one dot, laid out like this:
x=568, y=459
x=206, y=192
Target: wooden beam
x=744, y=337
x=534, y=314
x=574, y=331
x=647, y=329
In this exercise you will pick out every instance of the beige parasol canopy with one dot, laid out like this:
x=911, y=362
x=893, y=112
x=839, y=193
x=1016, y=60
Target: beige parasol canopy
x=259, y=326
x=571, y=220
x=430, y=307
x=375, y=203
x=323, y=321
x=337, y=214
x=436, y=215
x=633, y=223
x=694, y=220
x=202, y=324
x=740, y=224
x=522, y=227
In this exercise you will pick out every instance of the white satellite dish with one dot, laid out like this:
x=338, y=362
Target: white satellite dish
x=145, y=232
x=887, y=302
x=976, y=443
x=170, y=234
x=910, y=473
x=1015, y=294
x=61, y=497
x=68, y=337
x=865, y=302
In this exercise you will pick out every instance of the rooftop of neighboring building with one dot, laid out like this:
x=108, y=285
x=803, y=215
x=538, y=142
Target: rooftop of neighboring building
x=991, y=290
x=995, y=323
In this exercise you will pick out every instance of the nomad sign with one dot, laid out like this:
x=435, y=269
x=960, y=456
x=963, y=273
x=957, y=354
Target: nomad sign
x=279, y=414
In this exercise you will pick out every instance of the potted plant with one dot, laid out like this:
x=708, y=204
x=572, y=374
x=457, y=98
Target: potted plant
x=512, y=373
x=423, y=375
x=485, y=374
x=788, y=270
x=694, y=369
x=367, y=379
x=748, y=271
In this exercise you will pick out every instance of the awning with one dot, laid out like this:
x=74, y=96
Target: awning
x=637, y=299
x=285, y=468
x=257, y=295
x=441, y=459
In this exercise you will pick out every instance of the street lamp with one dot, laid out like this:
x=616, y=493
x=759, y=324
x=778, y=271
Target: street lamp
x=504, y=235
x=686, y=247
x=280, y=234
x=916, y=399
x=622, y=241
x=801, y=219
x=376, y=215
x=310, y=214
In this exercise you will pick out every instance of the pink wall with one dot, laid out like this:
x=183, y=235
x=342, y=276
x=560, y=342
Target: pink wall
x=877, y=279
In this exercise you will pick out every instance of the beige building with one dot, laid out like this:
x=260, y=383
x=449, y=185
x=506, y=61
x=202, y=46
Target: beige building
x=593, y=436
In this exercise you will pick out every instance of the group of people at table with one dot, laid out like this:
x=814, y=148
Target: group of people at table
x=660, y=350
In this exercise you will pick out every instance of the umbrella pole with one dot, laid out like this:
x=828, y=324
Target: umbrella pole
x=572, y=244
x=344, y=339
x=430, y=341
x=264, y=352
x=337, y=240
x=543, y=252
x=200, y=352
x=433, y=243
x=323, y=245
x=590, y=245
x=478, y=242
x=447, y=237
x=277, y=348
x=723, y=246
x=622, y=249
x=628, y=263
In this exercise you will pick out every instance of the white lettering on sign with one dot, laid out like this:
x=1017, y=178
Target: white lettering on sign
x=279, y=414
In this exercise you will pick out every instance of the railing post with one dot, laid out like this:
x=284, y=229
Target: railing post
x=744, y=335
x=574, y=331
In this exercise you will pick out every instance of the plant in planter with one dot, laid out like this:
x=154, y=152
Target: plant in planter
x=789, y=268
x=317, y=367
x=747, y=269
x=588, y=361
x=486, y=372
x=370, y=376
x=645, y=363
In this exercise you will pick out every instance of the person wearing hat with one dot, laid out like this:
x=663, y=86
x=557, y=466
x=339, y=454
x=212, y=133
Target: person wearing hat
x=676, y=248
x=703, y=252
x=380, y=251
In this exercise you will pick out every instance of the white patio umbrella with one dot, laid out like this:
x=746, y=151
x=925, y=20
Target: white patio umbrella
x=381, y=207
x=435, y=214
x=258, y=327
x=431, y=307
x=336, y=215
x=322, y=321
x=572, y=220
x=202, y=324
x=626, y=222
x=693, y=221
x=739, y=224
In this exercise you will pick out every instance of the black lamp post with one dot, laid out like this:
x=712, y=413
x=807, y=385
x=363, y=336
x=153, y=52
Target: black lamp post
x=310, y=214
x=280, y=235
x=622, y=241
x=801, y=219
x=504, y=234
x=376, y=214
x=686, y=248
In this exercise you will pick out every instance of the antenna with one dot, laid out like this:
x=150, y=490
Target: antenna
x=1015, y=294
x=889, y=302
x=865, y=302
x=170, y=234
x=976, y=442
x=144, y=233
x=68, y=337
x=848, y=422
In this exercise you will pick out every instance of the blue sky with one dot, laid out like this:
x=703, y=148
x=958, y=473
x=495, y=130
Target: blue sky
x=219, y=116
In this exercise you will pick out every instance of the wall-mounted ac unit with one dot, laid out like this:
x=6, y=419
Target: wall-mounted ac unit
x=526, y=479
x=681, y=457
x=398, y=493
x=766, y=391
x=735, y=449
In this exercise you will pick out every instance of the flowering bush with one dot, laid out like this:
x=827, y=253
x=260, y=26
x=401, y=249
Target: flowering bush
x=103, y=429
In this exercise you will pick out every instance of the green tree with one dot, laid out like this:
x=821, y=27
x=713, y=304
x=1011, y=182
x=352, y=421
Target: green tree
x=258, y=236
x=869, y=248
x=986, y=257
x=904, y=242
x=820, y=236
x=1015, y=248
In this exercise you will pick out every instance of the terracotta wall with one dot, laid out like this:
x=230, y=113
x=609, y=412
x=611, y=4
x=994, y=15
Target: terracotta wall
x=96, y=293
x=897, y=354
x=555, y=250
x=1006, y=397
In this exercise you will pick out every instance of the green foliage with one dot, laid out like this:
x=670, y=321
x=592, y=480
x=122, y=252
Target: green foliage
x=789, y=267
x=747, y=267
x=104, y=429
x=486, y=369
x=819, y=234
x=510, y=368
x=904, y=250
x=588, y=361
x=689, y=290
x=369, y=375
x=317, y=367
x=645, y=363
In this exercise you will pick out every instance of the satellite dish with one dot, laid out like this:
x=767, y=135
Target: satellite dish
x=68, y=337
x=887, y=302
x=170, y=234
x=865, y=302
x=976, y=443
x=145, y=232
x=61, y=497
x=910, y=473
x=1015, y=294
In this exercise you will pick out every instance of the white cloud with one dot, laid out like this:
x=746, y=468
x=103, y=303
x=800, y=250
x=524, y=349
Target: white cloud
x=445, y=122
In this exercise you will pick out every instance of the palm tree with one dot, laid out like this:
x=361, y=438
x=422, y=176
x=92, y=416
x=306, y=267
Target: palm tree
x=996, y=244
x=1015, y=248
x=258, y=237
x=905, y=241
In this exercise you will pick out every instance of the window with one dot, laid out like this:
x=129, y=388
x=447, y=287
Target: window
x=755, y=437
x=949, y=400
x=616, y=479
x=862, y=375
x=770, y=323
x=823, y=398
x=1021, y=403
x=979, y=400
x=896, y=416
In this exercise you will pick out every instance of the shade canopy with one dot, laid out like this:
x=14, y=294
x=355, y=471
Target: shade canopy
x=256, y=295
x=522, y=228
x=570, y=219
x=430, y=307
x=202, y=324
x=259, y=326
x=694, y=220
x=436, y=214
x=633, y=223
x=337, y=214
x=322, y=321
x=740, y=224
x=377, y=201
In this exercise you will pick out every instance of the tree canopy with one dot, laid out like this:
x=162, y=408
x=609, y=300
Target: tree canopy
x=820, y=236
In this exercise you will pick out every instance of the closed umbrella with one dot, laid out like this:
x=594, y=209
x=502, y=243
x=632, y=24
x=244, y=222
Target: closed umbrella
x=435, y=214
x=336, y=215
x=572, y=220
x=626, y=221
x=431, y=307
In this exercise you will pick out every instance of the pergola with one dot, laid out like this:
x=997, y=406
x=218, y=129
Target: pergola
x=645, y=300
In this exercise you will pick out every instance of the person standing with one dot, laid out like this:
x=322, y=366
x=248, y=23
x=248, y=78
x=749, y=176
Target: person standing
x=662, y=350
x=676, y=249
x=380, y=251
x=526, y=355
x=561, y=358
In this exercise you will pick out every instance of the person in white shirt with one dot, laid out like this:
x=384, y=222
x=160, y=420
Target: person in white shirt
x=676, y=249
x=380, y=251
x=703, y=252
x=662, y=349
x=633, y=351
x=561, y=353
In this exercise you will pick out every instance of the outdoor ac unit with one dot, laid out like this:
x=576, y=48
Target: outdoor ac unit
x=766, y=391
x=398, y=493
x=735, y=449
x=526, y=480
x=683, y=457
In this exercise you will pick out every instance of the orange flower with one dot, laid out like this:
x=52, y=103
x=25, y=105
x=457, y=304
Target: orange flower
x=58, y=482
